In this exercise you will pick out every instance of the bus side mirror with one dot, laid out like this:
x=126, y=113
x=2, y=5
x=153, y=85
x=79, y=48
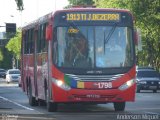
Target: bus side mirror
x=137, y=39
x=49, y=32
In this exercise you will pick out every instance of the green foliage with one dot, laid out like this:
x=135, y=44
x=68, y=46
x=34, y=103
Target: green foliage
x=6, y=62
x=14, y=45
x=109, y=3
x=1, y=55
x=19, y=4
x=147, y=14
x=81, y=2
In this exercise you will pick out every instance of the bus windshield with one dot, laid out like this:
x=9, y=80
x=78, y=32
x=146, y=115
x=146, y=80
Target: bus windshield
x=93, y=47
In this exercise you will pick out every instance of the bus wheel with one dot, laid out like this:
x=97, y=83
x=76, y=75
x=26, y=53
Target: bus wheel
x=32, y=100
x=119, y=106
x=41, y=102
x=51, y=106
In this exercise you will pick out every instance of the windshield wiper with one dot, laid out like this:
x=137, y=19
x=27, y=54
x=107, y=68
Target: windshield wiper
x=106, y=39
x=110, y=33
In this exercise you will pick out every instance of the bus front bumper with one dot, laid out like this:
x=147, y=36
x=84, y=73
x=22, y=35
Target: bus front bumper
x=98, y=96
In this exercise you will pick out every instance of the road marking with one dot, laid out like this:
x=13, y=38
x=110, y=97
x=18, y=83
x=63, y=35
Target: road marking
x=16, y=103
x=36, y=118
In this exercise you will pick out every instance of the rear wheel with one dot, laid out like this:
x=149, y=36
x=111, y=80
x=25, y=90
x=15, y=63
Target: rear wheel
x=119, y=106
x=19, y=85
x=41, y=102
x=32, y=100
x=51, y=106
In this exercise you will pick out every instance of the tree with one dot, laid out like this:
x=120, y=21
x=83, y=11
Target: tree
x=1, y=55
x=81, y=2
x=19, y=5
x=147, y=14
x=6, y=59
x=14, y=45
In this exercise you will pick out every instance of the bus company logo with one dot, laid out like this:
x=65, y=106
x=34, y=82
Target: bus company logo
x=94, y=72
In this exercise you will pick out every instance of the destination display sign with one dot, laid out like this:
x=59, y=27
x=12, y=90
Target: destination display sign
x=93, y=17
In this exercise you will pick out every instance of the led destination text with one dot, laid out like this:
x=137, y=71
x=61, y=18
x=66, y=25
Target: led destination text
x=92, y=17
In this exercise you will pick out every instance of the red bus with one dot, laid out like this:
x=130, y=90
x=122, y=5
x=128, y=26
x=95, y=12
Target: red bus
x=80, y=55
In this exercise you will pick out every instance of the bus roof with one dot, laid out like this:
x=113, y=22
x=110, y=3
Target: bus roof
x=47, y=17
x=95, y=9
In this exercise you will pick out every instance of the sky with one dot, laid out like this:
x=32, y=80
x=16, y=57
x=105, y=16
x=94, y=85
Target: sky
x=33, y=9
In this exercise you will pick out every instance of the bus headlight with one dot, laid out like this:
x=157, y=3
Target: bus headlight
x=127, y=84
x=61, y=84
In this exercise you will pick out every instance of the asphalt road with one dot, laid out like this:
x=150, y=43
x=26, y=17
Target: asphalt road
x=14, y=106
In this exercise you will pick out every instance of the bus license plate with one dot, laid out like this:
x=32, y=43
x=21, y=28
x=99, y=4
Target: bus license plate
x=102, y=85
x=93, y=96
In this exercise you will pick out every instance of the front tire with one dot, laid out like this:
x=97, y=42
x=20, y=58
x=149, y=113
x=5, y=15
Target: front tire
x=41, y=102
x=32, y=100
x=119, y=106
x=51, y=106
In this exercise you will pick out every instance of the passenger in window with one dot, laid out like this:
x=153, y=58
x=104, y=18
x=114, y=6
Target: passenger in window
x=76, y=54
x=81, y=59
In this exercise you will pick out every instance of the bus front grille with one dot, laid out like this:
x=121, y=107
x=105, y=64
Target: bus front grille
x=90, y=78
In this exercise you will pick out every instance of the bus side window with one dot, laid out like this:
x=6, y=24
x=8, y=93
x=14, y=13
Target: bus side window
x=41, y=42
x=26, y=42
x=31, y=41
x=38, y=40
x=43, y=38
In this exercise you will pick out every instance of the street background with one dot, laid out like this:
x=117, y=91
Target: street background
x=14, y=103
